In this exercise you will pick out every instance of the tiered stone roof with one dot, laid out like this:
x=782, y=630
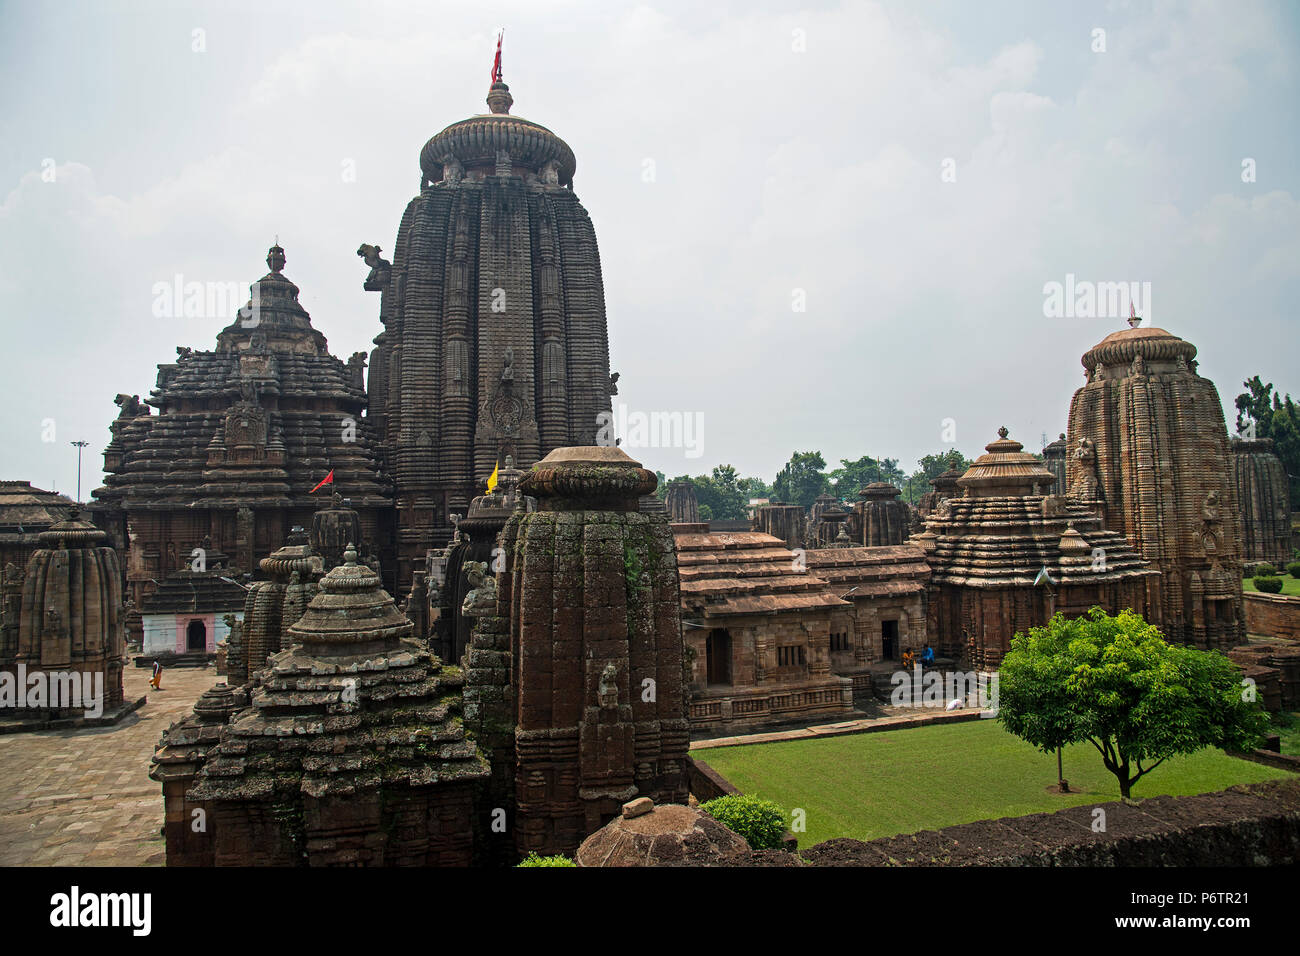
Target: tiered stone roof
x=745, y=572
x=871, y=572
x=259, y=420
x=354, y=705
x=24, y=513
x=1001, y=533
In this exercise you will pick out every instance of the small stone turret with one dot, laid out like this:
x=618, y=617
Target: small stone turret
x=681, y=503
x=68, y=615
x=1264, y=496
x=880, y=519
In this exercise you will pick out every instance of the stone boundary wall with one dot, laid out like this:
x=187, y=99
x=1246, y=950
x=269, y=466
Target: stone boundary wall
x=1270, y=758
x=705, y=782
x=1250, y=825
x=1272, y=615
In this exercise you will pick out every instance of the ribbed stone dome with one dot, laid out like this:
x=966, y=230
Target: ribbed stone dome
x=73, y=532
x=474, y=142
x=1154, y=345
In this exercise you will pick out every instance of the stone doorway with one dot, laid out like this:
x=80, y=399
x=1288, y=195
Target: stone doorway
x=718, y=652
x=889, y=640
x=196, y=636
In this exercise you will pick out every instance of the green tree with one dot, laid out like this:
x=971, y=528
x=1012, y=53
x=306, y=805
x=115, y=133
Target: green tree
x=802, y=479
x=1274, y=417
x=852, y=476
x=754, y=488
x=1116, y=683
x=931, y=466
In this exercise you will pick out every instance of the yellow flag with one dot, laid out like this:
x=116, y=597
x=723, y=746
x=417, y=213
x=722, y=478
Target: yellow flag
x=492, y=478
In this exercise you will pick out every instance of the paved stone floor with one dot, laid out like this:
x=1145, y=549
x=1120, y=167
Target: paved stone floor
x=84, y=797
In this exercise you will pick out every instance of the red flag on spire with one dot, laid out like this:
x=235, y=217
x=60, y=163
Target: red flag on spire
x=496, y=63
x=1132, y=312
x=327, y=480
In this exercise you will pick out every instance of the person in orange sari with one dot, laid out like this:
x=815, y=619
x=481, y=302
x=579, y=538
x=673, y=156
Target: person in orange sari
x=156, y=680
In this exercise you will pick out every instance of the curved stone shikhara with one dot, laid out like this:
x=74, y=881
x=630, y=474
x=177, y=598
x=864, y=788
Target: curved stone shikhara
x=1149, y=446
x=495, y=341
x=575, y=685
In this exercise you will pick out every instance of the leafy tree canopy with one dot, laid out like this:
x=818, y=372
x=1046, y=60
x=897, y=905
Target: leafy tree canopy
x=802, y=479
x=852, y=476
x=1274, y=417
x=1116, y=683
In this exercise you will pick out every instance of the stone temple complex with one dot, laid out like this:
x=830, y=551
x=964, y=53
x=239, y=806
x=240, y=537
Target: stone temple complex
x=1264, y=496
x=560, y=632
x=494, y=341
x=241, y=436
x=1150, y=450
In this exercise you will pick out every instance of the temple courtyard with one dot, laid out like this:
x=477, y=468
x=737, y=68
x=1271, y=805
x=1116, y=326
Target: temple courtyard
x=84, y=797
x=866, y=786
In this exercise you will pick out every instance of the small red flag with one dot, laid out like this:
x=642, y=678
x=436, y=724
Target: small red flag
x=327, y=480
x=496, y=63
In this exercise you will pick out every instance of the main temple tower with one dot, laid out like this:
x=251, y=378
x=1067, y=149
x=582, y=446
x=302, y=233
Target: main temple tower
x=494, y=342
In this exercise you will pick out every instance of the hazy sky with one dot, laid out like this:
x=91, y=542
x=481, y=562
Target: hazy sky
x=916, y=172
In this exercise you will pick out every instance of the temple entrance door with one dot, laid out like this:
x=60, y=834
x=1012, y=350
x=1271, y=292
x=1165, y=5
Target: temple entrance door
x=889, y=640
x=718, y=648
x=196, y=636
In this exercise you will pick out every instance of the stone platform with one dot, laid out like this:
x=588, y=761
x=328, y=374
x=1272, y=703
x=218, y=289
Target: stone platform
x=83, y=797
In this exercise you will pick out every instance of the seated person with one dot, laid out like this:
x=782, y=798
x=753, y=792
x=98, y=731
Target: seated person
x=927, y=656
x=909, y=658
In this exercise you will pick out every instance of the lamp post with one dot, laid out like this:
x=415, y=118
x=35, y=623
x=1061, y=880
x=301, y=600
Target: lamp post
x=80, y=445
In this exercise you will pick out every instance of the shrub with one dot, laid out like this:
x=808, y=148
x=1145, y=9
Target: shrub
x=1268, y=585
x=1264, y=570
x=760, y=822
x=1293, y=569
x=532, y=859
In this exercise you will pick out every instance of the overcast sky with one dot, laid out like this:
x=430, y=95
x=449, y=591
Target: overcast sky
x=916, y=173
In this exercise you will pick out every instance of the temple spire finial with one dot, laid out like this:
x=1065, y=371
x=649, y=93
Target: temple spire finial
x=275, y=257
x=499, y=99
x=1134, y=320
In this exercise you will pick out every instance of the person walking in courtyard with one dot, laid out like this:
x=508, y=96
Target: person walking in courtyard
x=156, y=680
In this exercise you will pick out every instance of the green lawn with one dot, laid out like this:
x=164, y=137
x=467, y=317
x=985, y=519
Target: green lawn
x=881, y=784
x=1290, y=734
x=1290, y=585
